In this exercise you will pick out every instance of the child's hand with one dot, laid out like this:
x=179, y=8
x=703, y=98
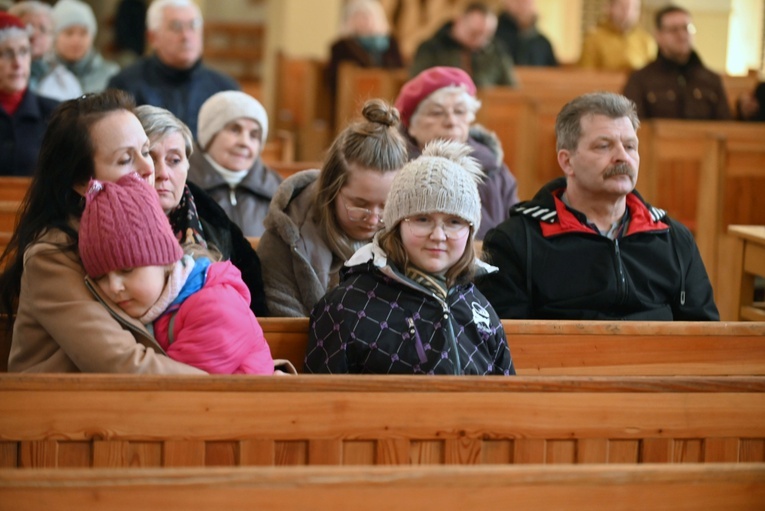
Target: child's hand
x=278, y=372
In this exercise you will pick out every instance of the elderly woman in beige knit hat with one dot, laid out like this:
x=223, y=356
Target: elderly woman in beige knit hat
x=232, y=130
x=405, y=303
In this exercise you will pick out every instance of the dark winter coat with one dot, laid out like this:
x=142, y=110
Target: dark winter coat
x=225, y=236
x=666, y=89
x=491, y=65
x=21, y=134
x=181, y=91
x=377, y=321
x=553, y=265
x=526, y=47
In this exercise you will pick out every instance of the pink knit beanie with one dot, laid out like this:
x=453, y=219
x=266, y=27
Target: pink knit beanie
x=426, y=83
x=123, y=226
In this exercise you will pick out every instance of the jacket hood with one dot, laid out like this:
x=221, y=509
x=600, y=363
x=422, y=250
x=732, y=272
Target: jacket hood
x=287, y=223
x=487, y=148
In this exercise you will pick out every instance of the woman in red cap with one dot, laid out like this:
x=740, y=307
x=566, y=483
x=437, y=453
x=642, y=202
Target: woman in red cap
x=23, y=114
x=441, y=103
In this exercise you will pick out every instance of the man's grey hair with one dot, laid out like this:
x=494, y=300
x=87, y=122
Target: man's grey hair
x=157, y=10
x=568, y=125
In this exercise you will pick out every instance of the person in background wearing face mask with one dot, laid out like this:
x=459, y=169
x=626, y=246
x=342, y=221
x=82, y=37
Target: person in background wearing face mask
x=677, y=85
x=48, y=78
x=173, y=77
x=618, y=43
x=468, y=43
x=587, y=246
x=233, y=127
x=75, y=27
x=517, y=30
x=367, y=42
x=23, y=114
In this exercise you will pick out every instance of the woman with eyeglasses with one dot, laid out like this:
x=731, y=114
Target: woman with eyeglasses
x=440, y=104
x=406, y=303
x=23, y=113
x=319, y=218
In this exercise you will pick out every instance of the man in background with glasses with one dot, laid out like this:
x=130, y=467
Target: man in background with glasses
x=677, y=85
x=174, y=77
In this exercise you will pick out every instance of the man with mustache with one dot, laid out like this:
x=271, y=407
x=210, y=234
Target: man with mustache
x=587, y=246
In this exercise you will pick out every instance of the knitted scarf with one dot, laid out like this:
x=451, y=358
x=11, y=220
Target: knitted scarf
x=435, y=283
x=185, y=221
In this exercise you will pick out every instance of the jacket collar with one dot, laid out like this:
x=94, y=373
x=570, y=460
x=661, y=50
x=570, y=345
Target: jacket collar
x=372, y=252
x=556, y=218
x=257, y=181
x=694, y=61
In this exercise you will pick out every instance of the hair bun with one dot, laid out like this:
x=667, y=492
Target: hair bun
x=378, y=111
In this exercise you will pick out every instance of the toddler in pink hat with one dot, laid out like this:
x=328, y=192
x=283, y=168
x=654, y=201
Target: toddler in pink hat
x=198, y=309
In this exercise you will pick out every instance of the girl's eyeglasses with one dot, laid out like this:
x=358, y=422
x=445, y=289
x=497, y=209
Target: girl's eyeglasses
x=454, y=228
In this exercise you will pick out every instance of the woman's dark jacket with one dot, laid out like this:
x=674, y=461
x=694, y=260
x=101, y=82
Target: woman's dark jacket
x=21, y=134
x=378, y=321
x=221, y=232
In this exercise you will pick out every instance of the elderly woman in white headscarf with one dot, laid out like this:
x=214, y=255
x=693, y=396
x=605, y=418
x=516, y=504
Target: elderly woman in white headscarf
x=232, y=130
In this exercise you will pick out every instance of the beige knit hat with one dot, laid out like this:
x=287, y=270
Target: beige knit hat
x=224, y=107
x=442, y=180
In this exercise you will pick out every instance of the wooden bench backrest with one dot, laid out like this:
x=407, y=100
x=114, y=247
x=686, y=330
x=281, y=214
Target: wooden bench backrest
x=711, y=487
x=302, y=106
x=280, y=148
x=8, y=214
x=595, y=347
x=49, y=421
x=590, y=348
x=708, y=175
x=356, y=85
x=14, y=188
x=235, y=48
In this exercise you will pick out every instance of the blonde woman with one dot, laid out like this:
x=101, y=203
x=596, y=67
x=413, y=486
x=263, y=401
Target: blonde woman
x=319, y=218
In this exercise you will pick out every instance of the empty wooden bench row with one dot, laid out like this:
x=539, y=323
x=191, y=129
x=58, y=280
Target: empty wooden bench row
x=69, y=421
x=545, y=347
x=718, y=487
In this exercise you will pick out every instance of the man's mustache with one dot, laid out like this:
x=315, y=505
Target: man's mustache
x=620, y=169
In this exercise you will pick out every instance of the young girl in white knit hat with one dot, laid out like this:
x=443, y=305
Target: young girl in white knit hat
x=406, y=303
x=197, y=309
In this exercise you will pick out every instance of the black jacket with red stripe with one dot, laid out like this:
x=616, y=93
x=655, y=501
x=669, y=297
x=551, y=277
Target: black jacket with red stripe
x=553, y=265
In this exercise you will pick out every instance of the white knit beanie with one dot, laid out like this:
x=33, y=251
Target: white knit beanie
x=73, y=12
x=222, y=108
x=442, y=180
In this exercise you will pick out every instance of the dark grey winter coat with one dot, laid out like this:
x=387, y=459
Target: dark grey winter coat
x=377, y=321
